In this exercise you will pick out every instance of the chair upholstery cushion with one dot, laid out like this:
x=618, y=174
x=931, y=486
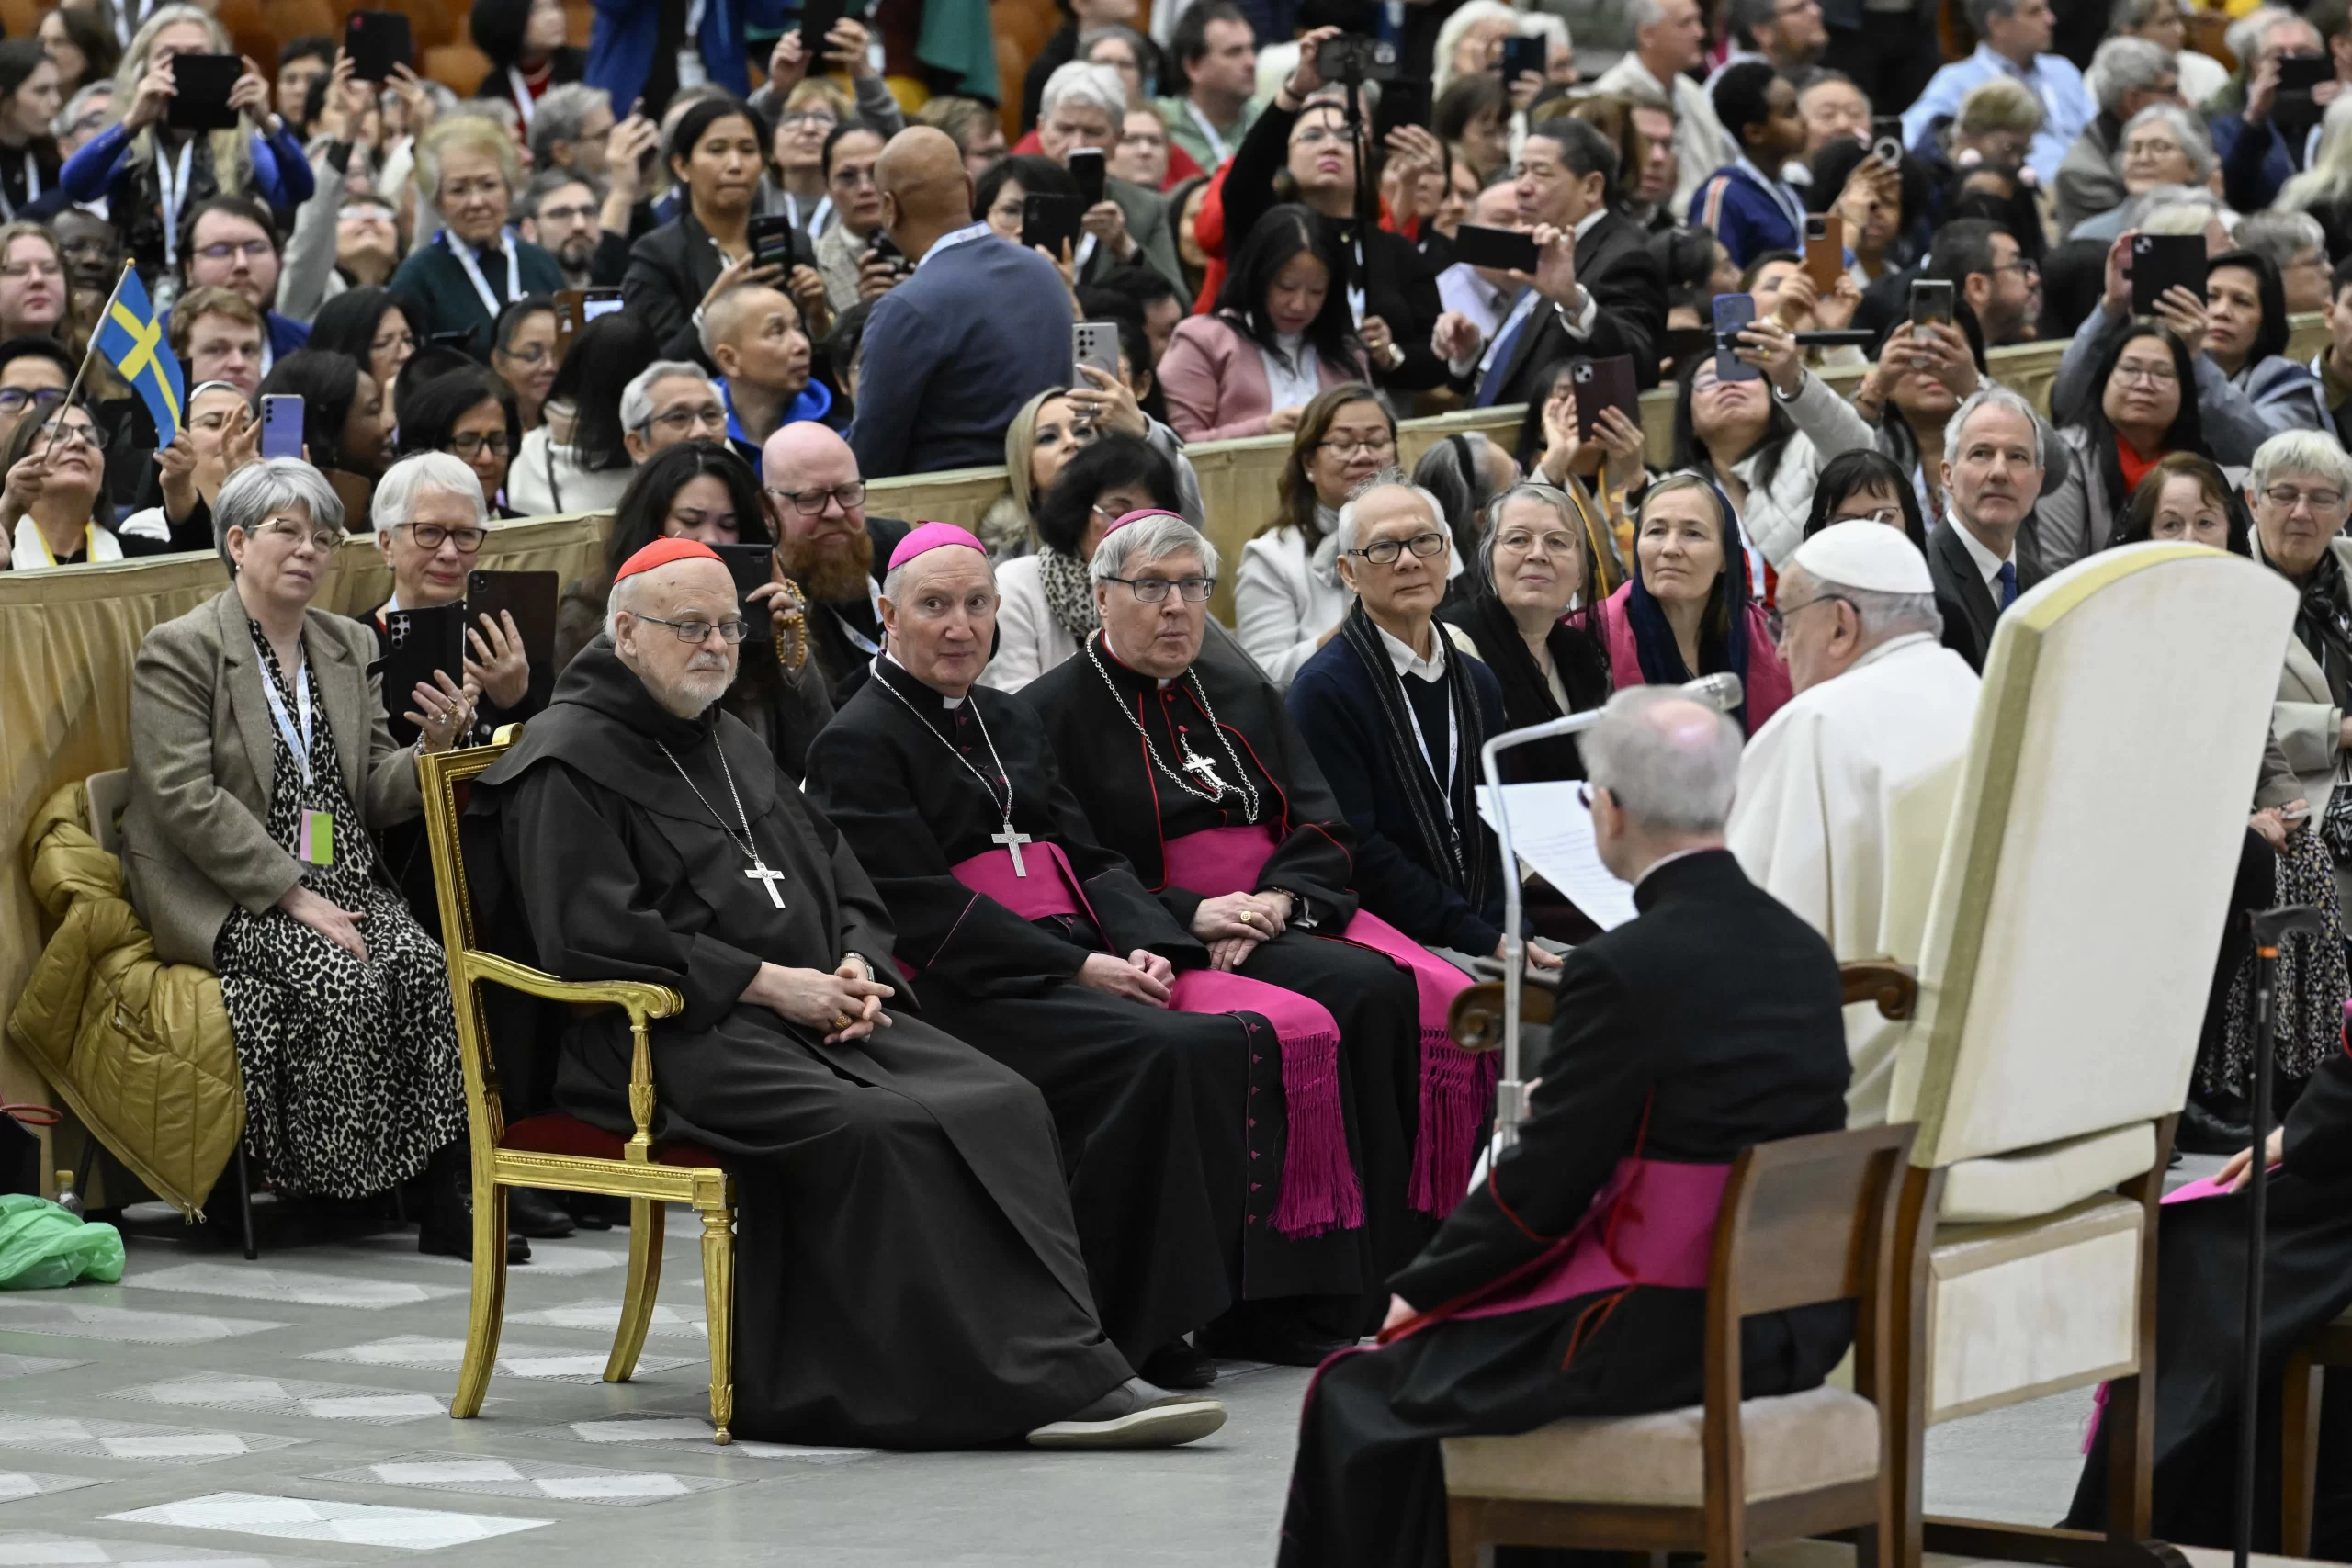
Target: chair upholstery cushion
x=557, y=1134
x=2038, y=1306
x=2044, y=1180
x=1798, y=1442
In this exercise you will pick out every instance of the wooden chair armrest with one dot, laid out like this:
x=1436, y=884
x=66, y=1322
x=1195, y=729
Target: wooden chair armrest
x=1544, y=980
x=1475, y=1019
x=1892, y=986
x=639, y=998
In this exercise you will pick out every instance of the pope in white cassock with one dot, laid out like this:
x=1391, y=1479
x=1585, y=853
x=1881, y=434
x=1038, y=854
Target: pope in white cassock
x=1844, y=793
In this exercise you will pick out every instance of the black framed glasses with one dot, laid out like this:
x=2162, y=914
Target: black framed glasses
x=1385, y=552
x=432, y=535
x=472, y=443
x=809, y=502
x=16, y=400
x=699, y=631
x=1154, y=589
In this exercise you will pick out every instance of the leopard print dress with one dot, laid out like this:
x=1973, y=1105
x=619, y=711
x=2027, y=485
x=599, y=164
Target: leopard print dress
x=350, y=1064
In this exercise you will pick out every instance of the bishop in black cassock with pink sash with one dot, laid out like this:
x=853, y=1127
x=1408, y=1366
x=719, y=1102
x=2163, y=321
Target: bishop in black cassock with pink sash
x=1200, y=1112
x=1190, y=767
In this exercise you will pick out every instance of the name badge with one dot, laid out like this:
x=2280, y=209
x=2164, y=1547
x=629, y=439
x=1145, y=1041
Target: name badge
x=315, y=840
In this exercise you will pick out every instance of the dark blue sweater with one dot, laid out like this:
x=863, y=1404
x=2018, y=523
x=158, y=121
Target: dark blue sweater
x=952, y=353
x=1336, y=707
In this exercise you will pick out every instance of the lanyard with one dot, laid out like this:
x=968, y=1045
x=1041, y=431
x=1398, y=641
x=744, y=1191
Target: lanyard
x=1782, y=198
x=173, y=188
x=299, y=745
x=465, y=254
x=1208, y=134
x=523, y=103
x=32, y=187
x=817, y=214
x=858, y=639
x=28, y=531
x=949, y=241
x=1452, y=751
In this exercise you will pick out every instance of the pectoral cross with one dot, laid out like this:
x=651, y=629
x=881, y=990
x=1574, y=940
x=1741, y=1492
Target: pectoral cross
x=768, y=878
x=1012, y=842
x=1201, y=768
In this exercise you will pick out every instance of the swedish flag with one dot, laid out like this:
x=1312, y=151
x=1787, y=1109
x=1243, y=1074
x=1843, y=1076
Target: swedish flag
x=131, y=338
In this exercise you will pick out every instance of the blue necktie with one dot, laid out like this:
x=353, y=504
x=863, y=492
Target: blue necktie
x=1499, y=368
x=2008, y=579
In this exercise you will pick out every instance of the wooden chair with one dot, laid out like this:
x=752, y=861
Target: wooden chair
x=1475, y=1020
x=2299, y=1408
x=559, y=1151
x=1804, y=1220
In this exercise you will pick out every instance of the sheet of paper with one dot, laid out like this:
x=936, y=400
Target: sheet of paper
x=1552, y=830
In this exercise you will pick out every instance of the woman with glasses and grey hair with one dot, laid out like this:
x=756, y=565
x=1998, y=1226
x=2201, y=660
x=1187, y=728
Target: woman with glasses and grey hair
x=261, y=770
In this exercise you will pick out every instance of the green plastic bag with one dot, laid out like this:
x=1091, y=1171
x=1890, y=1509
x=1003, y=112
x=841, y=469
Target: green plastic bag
x=43, y=1247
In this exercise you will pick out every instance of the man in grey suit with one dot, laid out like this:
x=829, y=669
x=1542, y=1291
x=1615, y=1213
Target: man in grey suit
x=1992, y=473
x=1083, y=108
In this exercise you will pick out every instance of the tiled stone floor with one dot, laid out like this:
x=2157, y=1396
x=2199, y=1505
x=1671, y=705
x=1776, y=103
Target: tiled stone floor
x=218, y=1413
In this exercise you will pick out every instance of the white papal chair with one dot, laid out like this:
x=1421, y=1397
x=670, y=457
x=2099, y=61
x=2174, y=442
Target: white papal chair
x=2070, y=942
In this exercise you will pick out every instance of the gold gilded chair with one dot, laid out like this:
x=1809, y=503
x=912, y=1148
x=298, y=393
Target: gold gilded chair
x=559, y=1151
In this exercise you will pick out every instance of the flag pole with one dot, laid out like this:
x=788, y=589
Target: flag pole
x=106, y=313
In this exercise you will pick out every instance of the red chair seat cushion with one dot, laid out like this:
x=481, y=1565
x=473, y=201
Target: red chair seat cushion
x=557, y=1133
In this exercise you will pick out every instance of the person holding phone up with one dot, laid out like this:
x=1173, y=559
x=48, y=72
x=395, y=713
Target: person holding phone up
x=149, y=171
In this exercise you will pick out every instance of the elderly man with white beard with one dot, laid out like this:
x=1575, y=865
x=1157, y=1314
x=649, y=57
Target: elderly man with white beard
x=1882, y=708
x=910, y=1273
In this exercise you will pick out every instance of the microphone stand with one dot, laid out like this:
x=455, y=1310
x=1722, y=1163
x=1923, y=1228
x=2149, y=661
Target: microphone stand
x=2270, y=928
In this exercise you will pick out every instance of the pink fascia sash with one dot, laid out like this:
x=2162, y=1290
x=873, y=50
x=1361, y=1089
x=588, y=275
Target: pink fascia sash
x=1457, y=1086
x=1654, y=1224
x=1320, y=1190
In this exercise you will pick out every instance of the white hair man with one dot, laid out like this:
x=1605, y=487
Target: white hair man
x=854, y=1127
x=670, y=401
x=1994, y=457
x=1083, y=106
x=1706, y=1025
x=1837, y=815
x=2127, y=76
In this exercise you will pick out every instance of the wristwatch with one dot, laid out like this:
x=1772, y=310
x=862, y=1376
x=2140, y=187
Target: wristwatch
x=1395, y=354
x=1300, y=912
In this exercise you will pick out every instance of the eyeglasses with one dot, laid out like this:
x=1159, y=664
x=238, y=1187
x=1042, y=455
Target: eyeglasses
x=2287, y=497
x=230, y=250
x=2153, y=374
x=88, y=434
x=529, y=354
x=1780, y=634
x=2020, y=265
x=809, y=502
x=432, y=535
x=13, y=400
x=1344, y=444
x=472, y=444
x=809, y=116
x=1384, y=552
x=1885, y=516
x=1154, y=589
x=677, y=420
x=699, y=631
x=295, y=534
x=579, y=214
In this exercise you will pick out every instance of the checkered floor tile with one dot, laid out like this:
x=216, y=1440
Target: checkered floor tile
x=96, y=1438
x=306, y=1519
x=538, y=1480
x=324, y=1401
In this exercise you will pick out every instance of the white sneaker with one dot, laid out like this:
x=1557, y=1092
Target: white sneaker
x=1136, y=1415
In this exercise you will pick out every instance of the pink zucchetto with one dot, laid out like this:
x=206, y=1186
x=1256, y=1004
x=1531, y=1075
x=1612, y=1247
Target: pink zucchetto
x=927, y=537
x=1138, y=516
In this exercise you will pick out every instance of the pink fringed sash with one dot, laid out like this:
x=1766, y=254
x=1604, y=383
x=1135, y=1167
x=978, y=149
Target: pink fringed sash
x=1457, y=1085
x=1319, y=1190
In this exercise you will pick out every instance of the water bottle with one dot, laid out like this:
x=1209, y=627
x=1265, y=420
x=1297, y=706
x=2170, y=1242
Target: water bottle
x=67, y=1198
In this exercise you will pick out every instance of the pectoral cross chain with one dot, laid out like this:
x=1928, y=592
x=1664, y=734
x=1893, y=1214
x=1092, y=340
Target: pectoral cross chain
x=1201, y=768
x=768, y=878
x=1012, y=842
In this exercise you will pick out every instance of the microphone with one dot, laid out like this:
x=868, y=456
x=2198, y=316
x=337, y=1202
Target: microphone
x=1721, y=693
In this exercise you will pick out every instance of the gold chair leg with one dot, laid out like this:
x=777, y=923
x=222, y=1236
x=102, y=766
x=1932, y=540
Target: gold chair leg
x=488, y=1313
x=718, y=1307
x=2299, y=1411
x=646, y=1220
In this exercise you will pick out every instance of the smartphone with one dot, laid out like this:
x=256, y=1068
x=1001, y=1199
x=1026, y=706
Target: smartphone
x=2163, y=261
x=1825, y=250
x=771, y=240
x=1524, y=57
x=1095, y=343
x=1932, y=300
x=530, y=598
x=1733, y=313
x=1354, y=54
x=817, y=20
x=415, y=644
x=2302, y=73
x=281, y=425
x=1401, y=103
x=201, y=88
x=751, y=565
x=1886, y=140
x=1501, y=250
x=1087, y=167
x=1604, y=384
x=595, y=302
x=377, y=42
x=1050, y=221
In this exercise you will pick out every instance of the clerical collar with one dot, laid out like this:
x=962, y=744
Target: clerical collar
x=1652, y=869
x=1127, y=672
x=907, y=682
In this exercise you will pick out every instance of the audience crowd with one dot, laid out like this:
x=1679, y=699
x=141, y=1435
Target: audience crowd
x=1799, y=219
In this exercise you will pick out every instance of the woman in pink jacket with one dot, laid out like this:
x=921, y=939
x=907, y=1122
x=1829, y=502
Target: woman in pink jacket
x=1283, y=331
x=1685, y=612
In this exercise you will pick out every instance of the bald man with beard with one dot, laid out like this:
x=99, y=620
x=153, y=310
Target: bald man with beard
x=980, y=328
x=831, y=548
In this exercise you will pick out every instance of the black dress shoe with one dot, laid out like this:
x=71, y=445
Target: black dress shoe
x=1177, y=1365
x=536, y=1214
x=457, y=1241
x=447, y=1227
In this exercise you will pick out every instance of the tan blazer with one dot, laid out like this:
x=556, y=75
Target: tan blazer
x=195, y=837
